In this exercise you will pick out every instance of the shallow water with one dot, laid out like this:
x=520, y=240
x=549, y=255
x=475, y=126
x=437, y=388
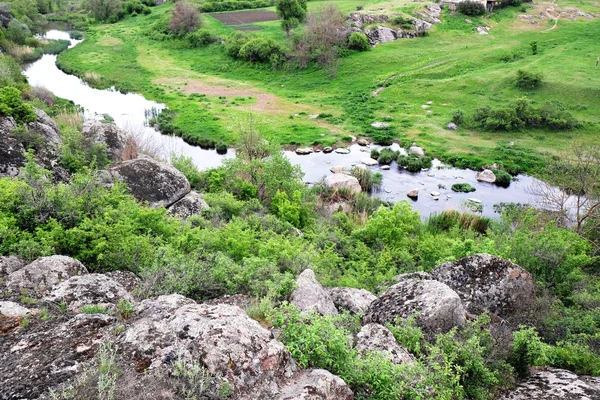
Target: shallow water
x=129, y=112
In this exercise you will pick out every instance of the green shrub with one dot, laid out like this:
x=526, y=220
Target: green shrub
x=12, y=105
x=200, y=38
x=528, y=80
x=76, y=35
x=17, y=32
x=402, y=22
x=94, y=309
x=375, y=154
x=413, y=163
x=358, y=41
x=10, y=72
x=470, y=8
x=576, y=357
x=458, y=117
x=528, y=351
x=463, y=188
x=260, y=50
x=387, y=155
x=503, y=178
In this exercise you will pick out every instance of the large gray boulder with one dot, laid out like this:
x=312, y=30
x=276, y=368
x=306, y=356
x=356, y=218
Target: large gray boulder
x=488, y=283
x=337, y=181
x=315, y=384
x=41, y=275
x=111, y=135
x=555, y=384
x=416, y=150
x=150, y=181
x=486, y=176
x=309, y=295
x=439, y=307
x=48, y=152
x=10, y=264
x=378, y=338
x=354, y=300
x=191, y=204
x=11, y=150
x=223, y=338
x=88, y=289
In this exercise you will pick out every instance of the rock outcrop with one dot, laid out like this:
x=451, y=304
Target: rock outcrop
x=12, y=309
x=337, y=181
x=88, y=289
x=41, y=275
x=309, y=295
x=488, y=283
x=375, y=337
x=315, y=384
x=149, y=180
x=10, y=264
x=11, y=150
x=191, y=204
x=416, y=150
x=486, y=176
x=354, y=300
x=439, y=307
x=555, y=384
x=111, y=135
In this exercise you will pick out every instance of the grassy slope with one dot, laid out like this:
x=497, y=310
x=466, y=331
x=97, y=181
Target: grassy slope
x=452, y=66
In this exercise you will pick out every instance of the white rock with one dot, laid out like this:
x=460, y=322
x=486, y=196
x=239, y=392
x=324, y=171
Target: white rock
x=369, y=161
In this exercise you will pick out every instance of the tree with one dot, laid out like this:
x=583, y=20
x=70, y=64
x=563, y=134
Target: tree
x=291, y=12
x=185, y=18
x=103, y=10
x=572, y=189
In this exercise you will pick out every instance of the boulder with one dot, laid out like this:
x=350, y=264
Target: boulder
x=385, y=167
x=555, y=384
x=413, y=194
x=452, y=126
x=327, y=149
x=416, y=150
x=111, y=135
x=11, y=150
x=354, y=300
x=45, y=355
x=150, y=181
x=375, y=337
x=315, y=384
x=127, y=279
x=362, y=142
x=338, y=206
x=48, y=152
x=309, y=295
x=229, y=344
x=337, y=169
x=10, y=264
x=418, y=275
x=381, y=34
x=88, y=289
x=486, y=176
x=42, y=274
x=488, y=283
x=380, y=125
x=342, y=151
x=12, y=309
x=337, y=181
x=369, y=161
x=304, y=151
x=191, y=204
x=439, y=306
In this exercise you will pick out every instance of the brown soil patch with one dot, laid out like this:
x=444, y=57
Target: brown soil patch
x=264, y=101
x=245, y=17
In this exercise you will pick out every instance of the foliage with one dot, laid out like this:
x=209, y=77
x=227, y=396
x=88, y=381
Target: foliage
x=253, y=49
x=291, y=12
x=387, y=155
x=463, y=187
x=200, y=38
x=104, y=10
x=413, y=163
x=470, y=8
x=358, y=41
x=12, y=105
x=94, y=309
x=185, y=18
x=503, y=178
x=528, y=80
x=295, y=211
x=17, y=32
x=402, y=22
x=367, y=179
x=458, y=117
x=528, y=351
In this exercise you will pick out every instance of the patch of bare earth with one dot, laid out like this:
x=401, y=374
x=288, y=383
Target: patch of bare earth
x=245, y=17
x=265, y=102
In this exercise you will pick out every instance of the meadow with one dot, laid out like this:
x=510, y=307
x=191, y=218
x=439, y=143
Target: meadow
x=453, y=68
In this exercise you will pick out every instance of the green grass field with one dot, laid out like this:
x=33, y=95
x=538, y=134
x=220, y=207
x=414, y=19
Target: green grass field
x=452, y=67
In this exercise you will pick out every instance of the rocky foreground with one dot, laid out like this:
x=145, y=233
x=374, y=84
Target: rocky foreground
x=152, y=337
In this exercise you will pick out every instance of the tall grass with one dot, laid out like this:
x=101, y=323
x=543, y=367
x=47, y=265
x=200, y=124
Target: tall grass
x=447, y=220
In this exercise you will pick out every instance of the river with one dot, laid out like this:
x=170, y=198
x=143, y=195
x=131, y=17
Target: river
x=129, y=112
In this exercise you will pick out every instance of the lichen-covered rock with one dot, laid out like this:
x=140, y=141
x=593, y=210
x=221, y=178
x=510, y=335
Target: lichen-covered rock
x=418, y=275
x=191, y=204
x=375, y=337
x=416, y=150
x=354, y=300
x=48, y=152
x=309, y=295
x=11, y=150
x=45, y=355
x=41, y=275
x=315, y=384
x=439, y=307
x=149, y=180
x=12, y=309
x=127, y=279
x=111, y=135
x=486, y=176
x=488, y=283
x=10, y=264
x=555, y=384
x=337, y=181
x=230, y=344
x=88, y=289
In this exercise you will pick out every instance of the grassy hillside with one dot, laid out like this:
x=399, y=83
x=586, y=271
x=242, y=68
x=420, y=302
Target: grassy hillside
x=453, y=67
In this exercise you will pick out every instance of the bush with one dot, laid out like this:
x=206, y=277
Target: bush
x=260, y=50
x=402, y=22
x=234, y=43
x=387, y=155
x=375, y=154
x=368, y=179
x=200, y=38
x=503, y=178
x=136, y=7
x=463, y=188
x=458, y=117
x=528, y=80
x=185, y=18
x=413, y=163
x=528, y=351
x=358, y=41
x=76, y=35
x=17, y=32
x=12, y=105
x=470, y=8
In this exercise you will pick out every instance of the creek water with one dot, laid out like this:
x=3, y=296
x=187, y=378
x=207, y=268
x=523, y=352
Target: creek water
x=129, y=111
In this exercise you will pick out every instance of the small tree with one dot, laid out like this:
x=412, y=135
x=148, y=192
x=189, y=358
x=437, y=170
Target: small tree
x=528, y=80
x=291, y=12
x=104, y=10
x=470, y=8
x=358, y=41
x=17, y=32
x=185, y=19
